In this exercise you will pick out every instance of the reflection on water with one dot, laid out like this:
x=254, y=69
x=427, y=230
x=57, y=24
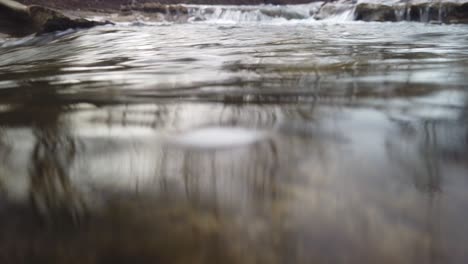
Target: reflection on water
x=346, y=144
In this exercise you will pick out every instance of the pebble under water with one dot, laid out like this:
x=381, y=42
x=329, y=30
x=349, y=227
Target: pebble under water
x=206, y=142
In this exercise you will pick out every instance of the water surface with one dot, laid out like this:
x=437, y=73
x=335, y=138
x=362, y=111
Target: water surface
x=221, y=142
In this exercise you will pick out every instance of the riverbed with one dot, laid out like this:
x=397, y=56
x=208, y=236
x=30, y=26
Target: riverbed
x=235, y=141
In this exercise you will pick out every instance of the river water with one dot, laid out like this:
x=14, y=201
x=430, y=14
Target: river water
x=223, y=141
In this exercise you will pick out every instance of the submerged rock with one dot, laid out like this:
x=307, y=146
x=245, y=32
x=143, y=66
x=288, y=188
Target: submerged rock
x=20, y=20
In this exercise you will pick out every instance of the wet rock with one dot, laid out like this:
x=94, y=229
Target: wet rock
x=333, y=9
x=156, y=8
x=14, y=18
x=20, y=20
x=445, y=12
x=456, y=13
x=177, y=9
x=375, y=12
x=48, y=20
x=151, y=8
x=442, y=12
x=282, y=13
x=425, y=12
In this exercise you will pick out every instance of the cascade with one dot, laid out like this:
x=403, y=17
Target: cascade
x=441, y=11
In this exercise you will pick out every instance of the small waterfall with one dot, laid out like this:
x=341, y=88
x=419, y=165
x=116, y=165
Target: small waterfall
x=440, y=13
x=432, y=12
x=424, y=14
x=347, y=15
x=337, y=12
x=402, y=12
x=240, y=14
x=426, y=11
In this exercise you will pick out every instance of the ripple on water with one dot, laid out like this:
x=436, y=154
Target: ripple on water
x=269, y=143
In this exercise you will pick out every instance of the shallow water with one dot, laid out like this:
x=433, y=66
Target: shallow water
x=278, y=142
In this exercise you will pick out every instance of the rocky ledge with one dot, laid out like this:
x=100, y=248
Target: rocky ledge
x=437, y=11
x=434, y=11
x=155, y=8
x=20, y=20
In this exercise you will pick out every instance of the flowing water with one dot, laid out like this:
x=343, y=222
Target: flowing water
x=235, y=140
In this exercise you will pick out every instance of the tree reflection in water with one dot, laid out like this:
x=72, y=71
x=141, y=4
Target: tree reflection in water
x=431, y=163
x=285, y=198
x=52, y=194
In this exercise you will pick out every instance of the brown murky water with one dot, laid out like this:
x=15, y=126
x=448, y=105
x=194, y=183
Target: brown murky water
x=248, y=143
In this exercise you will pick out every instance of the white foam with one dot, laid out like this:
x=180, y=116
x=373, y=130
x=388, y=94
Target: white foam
x=252, y=14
